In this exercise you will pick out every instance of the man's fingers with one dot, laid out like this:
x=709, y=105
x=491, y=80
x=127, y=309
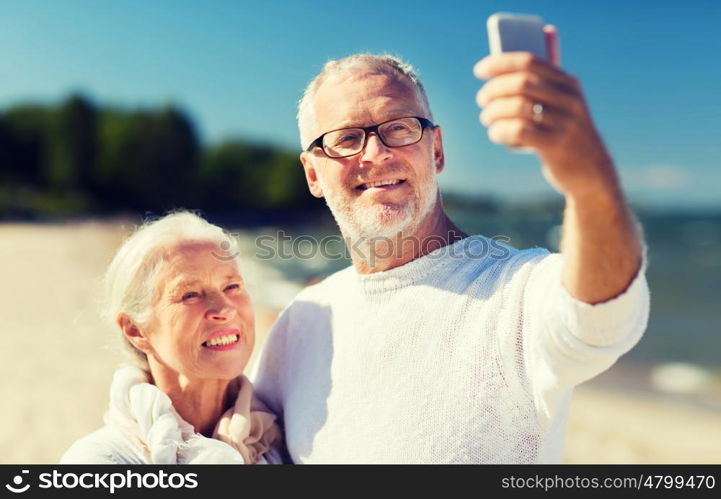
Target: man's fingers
x=522, y=108
x=553, y=45
x=526, y=85
x=519, y=133
x=513, y=62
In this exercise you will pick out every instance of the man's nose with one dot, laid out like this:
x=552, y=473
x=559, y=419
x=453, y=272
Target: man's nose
x=220, y=309
x=375, y=150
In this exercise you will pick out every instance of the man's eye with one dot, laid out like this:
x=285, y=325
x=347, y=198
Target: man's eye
x=232, y=287
x=346, y=139
x=398, y=129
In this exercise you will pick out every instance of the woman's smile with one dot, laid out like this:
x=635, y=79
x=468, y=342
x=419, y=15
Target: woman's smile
x=223, y=339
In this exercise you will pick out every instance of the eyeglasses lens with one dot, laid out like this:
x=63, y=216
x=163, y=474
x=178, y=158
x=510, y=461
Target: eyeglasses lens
x=350, y=141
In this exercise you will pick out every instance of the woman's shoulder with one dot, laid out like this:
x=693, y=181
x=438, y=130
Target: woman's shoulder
x=106, y=445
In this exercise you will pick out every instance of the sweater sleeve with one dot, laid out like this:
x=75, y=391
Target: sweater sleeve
x=569, y=341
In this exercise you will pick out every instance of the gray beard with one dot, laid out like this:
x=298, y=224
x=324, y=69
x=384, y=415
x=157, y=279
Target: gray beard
x=385, y=222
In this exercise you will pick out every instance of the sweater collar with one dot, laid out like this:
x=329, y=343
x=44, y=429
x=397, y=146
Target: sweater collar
x=418, y=269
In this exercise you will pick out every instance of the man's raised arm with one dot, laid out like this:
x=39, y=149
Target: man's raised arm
x=529, y=102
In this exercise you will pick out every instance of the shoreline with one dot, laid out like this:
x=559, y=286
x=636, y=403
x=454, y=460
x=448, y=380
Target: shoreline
x=679, y=383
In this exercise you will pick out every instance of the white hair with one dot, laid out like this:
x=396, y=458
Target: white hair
x=373, y=64
x=130, y=281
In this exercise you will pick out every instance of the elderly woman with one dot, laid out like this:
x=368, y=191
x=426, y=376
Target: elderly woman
x=175, y=291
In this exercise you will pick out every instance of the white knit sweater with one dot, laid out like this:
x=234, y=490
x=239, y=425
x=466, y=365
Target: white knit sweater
x=466, y=355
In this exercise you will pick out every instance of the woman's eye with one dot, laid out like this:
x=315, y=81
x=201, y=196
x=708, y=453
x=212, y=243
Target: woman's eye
x=232, y=287
x=190, y=295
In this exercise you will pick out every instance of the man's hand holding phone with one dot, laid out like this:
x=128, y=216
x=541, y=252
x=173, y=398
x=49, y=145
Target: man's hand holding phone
x=529, y=102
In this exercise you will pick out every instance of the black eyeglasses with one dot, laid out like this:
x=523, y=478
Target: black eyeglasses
x=346, y=142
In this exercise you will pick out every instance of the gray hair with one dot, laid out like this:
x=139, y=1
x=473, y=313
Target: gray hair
x=373, y=63
x=130, y=281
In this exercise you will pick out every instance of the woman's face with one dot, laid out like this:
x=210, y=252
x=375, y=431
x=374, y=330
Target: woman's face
x=203, y=325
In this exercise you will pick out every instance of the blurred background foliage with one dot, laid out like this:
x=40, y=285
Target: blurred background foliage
x=77, y=157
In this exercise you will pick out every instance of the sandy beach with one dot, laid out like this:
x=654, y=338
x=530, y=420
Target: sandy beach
x=58, y=358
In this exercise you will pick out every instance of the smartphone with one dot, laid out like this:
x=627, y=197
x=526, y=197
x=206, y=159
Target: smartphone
x=517, y=33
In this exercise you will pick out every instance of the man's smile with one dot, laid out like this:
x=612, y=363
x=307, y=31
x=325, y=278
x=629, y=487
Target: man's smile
x=387, y=184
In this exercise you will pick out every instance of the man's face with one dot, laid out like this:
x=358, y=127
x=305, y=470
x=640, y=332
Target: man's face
x=362, y=210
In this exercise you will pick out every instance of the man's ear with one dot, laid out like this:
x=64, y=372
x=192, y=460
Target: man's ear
x=438, y=155
x=133, y=334
x=311, y=176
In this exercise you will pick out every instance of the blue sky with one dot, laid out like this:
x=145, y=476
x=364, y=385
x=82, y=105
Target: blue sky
x=650, y=70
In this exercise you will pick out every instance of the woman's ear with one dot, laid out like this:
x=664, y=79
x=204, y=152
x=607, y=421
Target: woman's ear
x=133, y=334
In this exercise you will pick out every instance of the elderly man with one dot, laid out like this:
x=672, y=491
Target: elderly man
x=436, y=347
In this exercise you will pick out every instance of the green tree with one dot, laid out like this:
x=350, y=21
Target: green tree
x=72, y=145
x=75, y=157
x=26, y=128
x=147, y=159
x=236, y=174
x=5, y=148
x=285, y=184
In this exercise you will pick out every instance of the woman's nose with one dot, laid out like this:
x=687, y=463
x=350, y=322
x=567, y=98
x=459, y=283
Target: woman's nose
x=220, y=309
